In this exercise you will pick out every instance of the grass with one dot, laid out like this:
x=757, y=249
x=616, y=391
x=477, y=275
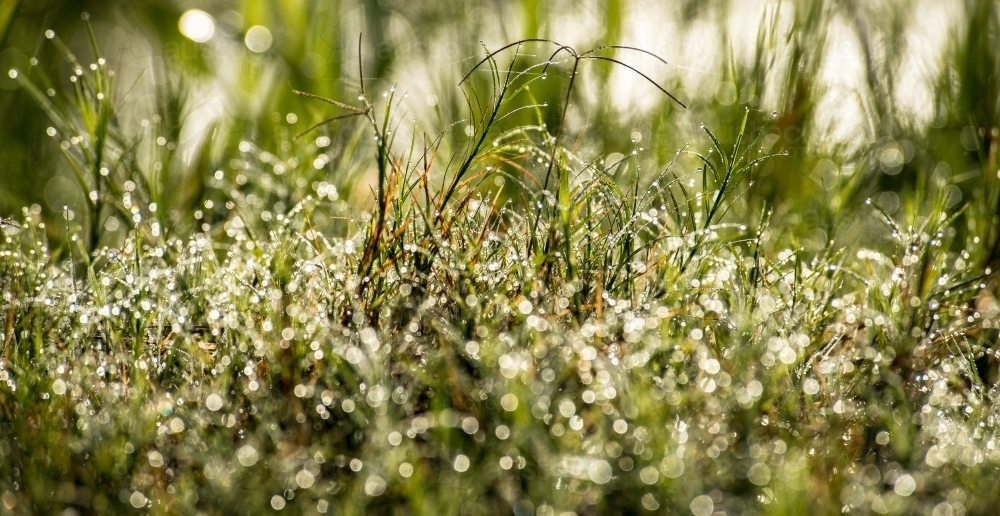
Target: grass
x=366, y=315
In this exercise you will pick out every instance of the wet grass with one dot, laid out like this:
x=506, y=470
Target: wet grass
x=361, y=314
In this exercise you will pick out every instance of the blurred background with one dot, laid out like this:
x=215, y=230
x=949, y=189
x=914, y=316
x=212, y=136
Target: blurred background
x=893, y=101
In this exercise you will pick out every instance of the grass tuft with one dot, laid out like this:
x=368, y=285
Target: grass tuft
x=370, y=316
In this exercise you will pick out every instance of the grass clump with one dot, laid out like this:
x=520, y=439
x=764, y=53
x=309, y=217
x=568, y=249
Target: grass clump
x=507, y=322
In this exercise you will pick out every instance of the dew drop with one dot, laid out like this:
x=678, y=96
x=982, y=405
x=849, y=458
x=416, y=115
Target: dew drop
x=905, y=485
x=213, y=402
x=702, y=505
x=304, y=479
x=59, y=387
x=375, y=485
x=759, y=474
x=137, y=499
x=599, y=472
x=247, y=456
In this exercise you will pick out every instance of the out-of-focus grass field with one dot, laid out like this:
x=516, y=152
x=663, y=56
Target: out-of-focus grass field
x=336, y=257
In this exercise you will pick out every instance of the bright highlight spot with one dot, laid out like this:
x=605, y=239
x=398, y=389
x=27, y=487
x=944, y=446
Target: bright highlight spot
x=247, y=455
x=375, y=485
x=137, y=499
x=197, y=25
x=59, y=387
x=905, y=485
x=305, y=479
x=213, y=402
x=702, y=506
x=599, y=472
x=258, y=38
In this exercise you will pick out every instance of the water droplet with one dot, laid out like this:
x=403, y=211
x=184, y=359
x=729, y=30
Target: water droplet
x=905, y=485
x=137, y=499
x=672, y=466
x=59, y=386
x=702, y=506
x=213, y=402
x=196, y=25
x=461, y=464
x=810, y=386
x=247, y=455
x=649, y=475
x=759, y=474
x=375, y=485
x=600, y=472
x=258, y=39
x=304, y=479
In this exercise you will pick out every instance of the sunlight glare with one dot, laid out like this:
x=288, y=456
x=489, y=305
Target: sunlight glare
x=258, y=38
x=197, y=25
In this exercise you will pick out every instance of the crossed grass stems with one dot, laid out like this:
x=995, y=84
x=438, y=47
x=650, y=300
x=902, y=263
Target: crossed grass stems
x=440, y=208
x=561, y=242
x=566, y=251
x=103, y=186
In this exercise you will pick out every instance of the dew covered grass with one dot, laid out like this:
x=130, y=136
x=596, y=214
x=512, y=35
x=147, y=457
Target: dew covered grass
x=370, y=316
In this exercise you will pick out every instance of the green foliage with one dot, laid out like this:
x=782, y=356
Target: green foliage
x=513, y=311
